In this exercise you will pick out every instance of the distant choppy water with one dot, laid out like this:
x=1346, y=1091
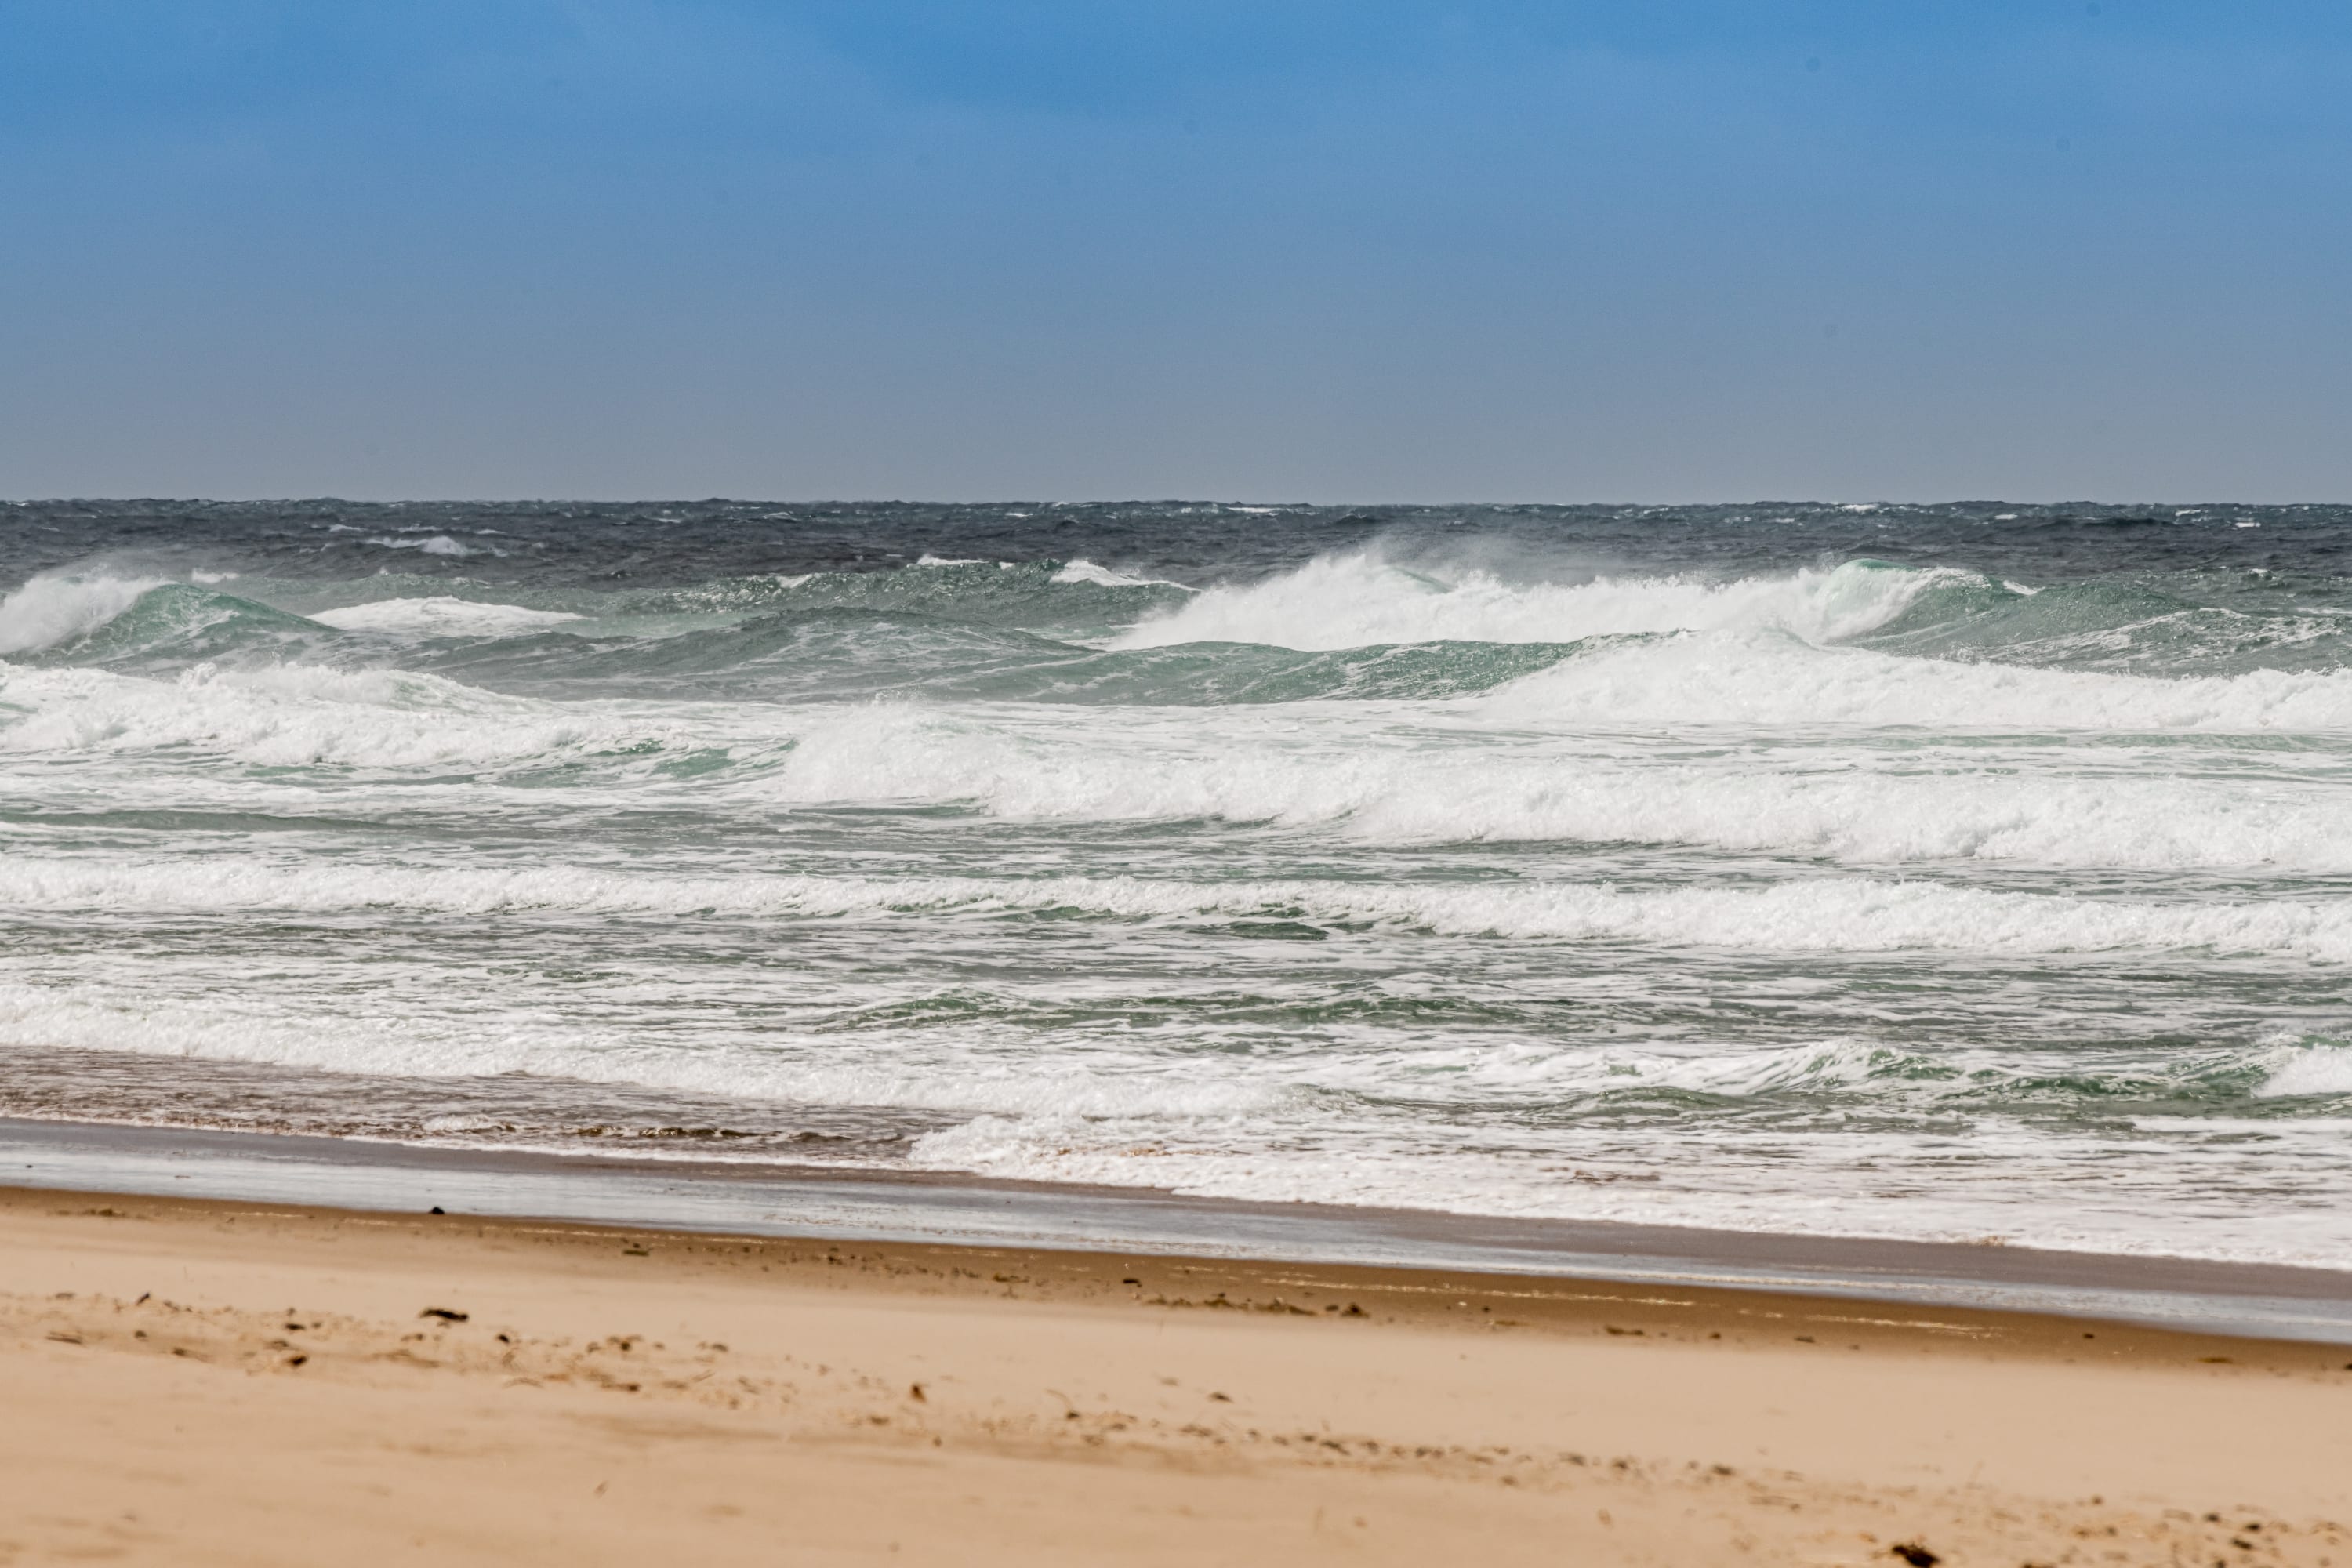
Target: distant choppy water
x=1947, y=872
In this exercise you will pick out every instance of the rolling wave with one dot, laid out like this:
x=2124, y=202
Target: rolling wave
x=854, y=654
x=1847, y=915
x=306, y=716
x=60, y=607
x=2117, y=625
x=1350, y=626
x=1422, y=786
x=1357, y=599
x=1762, y=678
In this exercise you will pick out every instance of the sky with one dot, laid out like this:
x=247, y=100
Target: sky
x=1379, y=250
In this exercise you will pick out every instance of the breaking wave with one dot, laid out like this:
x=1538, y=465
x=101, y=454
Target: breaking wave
x=1858, y=915
x=1363, y=598
x=57, y=607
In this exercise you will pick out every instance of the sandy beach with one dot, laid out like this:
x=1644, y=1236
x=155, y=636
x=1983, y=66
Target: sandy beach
x=199, y=1382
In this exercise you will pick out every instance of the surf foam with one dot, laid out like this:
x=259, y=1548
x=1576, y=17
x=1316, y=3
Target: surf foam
x=1763, y=679
x=58, y=607
x=1827, y=914
x=1369, y=780
x=1363, y=598
x=441, y=616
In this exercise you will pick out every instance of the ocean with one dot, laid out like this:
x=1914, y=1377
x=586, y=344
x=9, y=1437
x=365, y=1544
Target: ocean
x=1971, y=872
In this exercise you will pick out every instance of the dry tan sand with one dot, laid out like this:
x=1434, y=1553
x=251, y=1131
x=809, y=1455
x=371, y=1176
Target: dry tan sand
x=214, y=1383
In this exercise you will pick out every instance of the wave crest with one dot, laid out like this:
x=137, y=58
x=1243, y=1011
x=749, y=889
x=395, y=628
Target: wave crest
x=56, y=608
x=1775, y=680
x=1362, y=598
x=1829, y=914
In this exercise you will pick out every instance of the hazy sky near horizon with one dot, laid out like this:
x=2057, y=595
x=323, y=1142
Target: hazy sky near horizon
x=1715, y=250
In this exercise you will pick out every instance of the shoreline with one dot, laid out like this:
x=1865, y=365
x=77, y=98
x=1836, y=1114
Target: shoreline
x=864, y=1205
x=1409, y=1296
x=222, y=1381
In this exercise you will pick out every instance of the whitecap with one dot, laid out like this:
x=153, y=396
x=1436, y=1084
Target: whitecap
x=58, y=607
x=300, y=715
x=439, y=544
x=1959, y=804
x=1762, y=679
x=2308, y=1069
x=1361, y=598
x=440, y=616
x=1083, y=571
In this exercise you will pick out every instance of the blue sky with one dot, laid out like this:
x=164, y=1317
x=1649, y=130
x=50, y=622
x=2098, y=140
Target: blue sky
x=1379, y=250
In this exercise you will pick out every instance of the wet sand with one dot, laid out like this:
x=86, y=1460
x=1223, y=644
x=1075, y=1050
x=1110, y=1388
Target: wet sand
x=898, y=1204
x=199, y=1382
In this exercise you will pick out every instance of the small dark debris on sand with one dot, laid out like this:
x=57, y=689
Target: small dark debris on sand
x=445, y=1314
x=1913, y=1554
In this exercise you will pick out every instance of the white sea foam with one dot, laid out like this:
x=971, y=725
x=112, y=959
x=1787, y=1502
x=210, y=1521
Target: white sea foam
x=1373, y=784
x=1362, y=599
x=55, y=607
x=291, y=1032
x=1103, y=576
x=440, y=616
x=439, y=544
x=295, y=715
x=1828, y=914
x=58, y=607
x=1761, y=678
x=2053, y=1194
x=2305, y=1067
x=1352, y=769
x=1274, y=1128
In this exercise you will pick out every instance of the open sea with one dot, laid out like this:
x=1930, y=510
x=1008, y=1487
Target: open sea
x=1975, y=872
